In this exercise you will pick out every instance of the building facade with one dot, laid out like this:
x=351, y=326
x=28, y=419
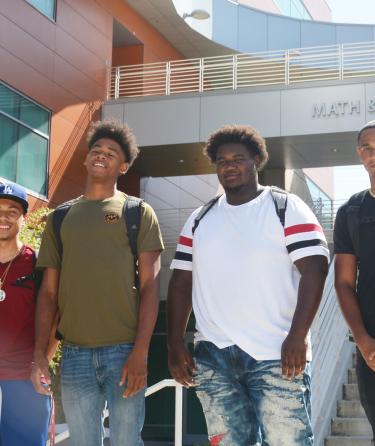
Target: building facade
x=57, y=61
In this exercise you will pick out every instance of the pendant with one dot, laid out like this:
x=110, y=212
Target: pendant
x=2, y=295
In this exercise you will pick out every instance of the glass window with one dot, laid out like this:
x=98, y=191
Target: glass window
x=321, y=204
x=47, y=7
x=24, y=141
x=24, y=110
x=294, y=8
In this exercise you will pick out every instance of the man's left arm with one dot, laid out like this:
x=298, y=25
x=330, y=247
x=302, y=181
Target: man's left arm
x=135, y=368
x=313, y=270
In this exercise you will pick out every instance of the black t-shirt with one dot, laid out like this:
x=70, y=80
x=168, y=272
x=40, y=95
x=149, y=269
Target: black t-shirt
x=366, y=261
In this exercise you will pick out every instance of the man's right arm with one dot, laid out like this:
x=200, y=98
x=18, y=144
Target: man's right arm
x=179, y=306
x=345, y=284
x=45, y=318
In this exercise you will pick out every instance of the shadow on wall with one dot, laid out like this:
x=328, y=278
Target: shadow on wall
x=68, y=168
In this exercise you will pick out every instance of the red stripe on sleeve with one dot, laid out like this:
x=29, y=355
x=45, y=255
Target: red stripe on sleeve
x=185, y=241
x=307, y=227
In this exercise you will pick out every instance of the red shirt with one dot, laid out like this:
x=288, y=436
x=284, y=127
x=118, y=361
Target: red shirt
x=17, y=316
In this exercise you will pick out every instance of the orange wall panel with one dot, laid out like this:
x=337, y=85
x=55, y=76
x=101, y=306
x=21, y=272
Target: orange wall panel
x=78, y=26
x=95, y=14
x=64, y=66
x=319, y=9
x=30, y=20
x=127, y=55
x=157, y=48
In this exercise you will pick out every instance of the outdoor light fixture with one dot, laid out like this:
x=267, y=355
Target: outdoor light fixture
x=199, y=14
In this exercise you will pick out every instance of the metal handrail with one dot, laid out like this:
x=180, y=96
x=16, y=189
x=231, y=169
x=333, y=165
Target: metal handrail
x=236, y=71
x=151, y=390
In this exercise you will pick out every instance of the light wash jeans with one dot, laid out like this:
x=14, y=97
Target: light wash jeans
x=247, y=402
x=89, y=378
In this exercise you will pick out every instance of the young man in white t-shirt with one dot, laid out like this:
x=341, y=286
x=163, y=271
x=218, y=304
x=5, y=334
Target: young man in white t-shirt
x=254, y=285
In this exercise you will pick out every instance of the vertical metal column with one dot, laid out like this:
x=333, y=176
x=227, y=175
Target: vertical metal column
x=234, y=72
x=178, y=415
x=341, y=62
x=168, y=79
x=117, y=83
x=201, y=67
x=287, y=67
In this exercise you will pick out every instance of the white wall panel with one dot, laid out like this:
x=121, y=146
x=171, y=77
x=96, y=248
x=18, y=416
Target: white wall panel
x=370, y=102
x=260, y=110
x=164, y=121
x=339, y=105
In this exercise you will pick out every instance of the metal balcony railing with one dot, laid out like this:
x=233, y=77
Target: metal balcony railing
x=233, y=72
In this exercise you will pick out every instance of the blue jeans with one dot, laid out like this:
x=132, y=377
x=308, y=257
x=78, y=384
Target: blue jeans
x=89, y=378
x=25, y=414
x=247, y=402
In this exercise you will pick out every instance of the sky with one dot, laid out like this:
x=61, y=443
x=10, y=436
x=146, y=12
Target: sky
x=353, y=11
x=350, y=179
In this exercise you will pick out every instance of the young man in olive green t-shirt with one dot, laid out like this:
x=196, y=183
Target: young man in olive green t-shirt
x=105, y=322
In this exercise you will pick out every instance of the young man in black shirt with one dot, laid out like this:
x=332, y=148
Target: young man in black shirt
x=354, y=239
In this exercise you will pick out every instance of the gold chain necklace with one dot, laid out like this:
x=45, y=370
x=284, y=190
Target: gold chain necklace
x=4, y=276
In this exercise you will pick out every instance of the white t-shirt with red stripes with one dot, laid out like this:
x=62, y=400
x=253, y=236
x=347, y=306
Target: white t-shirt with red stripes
x=245, y=282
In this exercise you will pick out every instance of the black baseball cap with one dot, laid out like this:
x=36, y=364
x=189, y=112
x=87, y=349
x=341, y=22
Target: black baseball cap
x=13, y=191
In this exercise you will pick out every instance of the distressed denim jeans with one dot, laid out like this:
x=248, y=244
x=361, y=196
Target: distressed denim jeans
x=247, y=402
x=89, y=379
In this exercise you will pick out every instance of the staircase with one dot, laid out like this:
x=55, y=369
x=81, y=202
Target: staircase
x=350, y=427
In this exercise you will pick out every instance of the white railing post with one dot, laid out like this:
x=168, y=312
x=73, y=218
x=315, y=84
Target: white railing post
x=341, y=62
x=234, y=72
x=287, y=68
x=178, y=415
x=201, y=71
x=168, y=79
x=117, y=83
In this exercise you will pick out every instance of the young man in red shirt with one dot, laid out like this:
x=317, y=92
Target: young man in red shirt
x=24, y=414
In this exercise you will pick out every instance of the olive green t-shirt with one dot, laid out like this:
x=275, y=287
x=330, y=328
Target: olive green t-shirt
x=97, y=303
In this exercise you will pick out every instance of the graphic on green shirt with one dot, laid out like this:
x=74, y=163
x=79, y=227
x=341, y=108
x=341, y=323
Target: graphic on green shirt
x=97, y=302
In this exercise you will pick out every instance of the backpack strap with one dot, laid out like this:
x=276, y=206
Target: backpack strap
x=36, y=276
x=205, y=208
x=352, y=218
x=57, y=219
x=279, y=197
x=280, y=200
x=132, y=215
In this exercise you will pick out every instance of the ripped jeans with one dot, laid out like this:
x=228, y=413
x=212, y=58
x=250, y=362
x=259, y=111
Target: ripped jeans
x=248, y=403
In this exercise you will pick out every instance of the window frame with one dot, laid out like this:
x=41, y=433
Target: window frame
x=35, y=131
x=53, y=18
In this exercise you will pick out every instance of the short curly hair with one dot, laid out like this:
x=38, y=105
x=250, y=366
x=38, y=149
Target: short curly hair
x=242, y=134
x=117, y=131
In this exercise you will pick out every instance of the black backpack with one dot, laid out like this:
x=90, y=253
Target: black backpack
x=279, y=197
x=131, y=213
x=353, y=218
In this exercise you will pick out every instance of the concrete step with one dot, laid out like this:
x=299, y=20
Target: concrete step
x=351, y=392
x=352, y=376
x=351, y=427
x=348, y=441
x=350, y=409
